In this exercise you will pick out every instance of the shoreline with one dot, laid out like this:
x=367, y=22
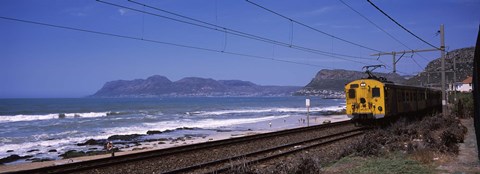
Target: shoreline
x=145, y=146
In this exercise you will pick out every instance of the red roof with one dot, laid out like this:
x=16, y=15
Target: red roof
x=468, y=80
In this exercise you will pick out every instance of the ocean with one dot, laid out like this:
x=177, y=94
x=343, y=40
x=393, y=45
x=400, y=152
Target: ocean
x=36, y=127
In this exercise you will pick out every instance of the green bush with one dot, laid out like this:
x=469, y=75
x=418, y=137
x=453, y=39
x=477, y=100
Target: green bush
x=463, y=107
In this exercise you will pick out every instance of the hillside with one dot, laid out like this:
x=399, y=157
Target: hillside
x=158, y=86
x=432, y=76
x=330, y=83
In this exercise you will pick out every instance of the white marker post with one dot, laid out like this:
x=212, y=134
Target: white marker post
x=307, y=103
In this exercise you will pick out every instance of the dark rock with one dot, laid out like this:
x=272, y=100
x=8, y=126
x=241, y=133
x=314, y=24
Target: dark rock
x=130, y=137
x=62, y=115
x=187, y=128
x=93, y=142
x=40, y=159
x=72, y=154
x=33, y=150
x=8, y=151
x=180, y=139
x=52, y=150
x=160, y=139
x=13, y=158
x=151, y=132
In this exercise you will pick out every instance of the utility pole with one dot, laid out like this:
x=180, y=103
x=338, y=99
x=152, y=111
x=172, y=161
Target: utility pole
x=395, y=60
x=454, y=79
x=442, y=51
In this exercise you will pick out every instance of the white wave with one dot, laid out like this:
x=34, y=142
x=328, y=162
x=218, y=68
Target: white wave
x=264, y=110
x=222, y=112
x=174, y=124
x=68, y=143
x=15, y=118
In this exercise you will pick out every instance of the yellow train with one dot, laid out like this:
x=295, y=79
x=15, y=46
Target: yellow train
x=374, y=98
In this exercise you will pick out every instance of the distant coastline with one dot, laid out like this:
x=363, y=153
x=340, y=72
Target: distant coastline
x=160, y=86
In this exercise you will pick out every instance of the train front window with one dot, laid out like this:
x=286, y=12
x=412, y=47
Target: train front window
x=351, y=93
x=375, y=92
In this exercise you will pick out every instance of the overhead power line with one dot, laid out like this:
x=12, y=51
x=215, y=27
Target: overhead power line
x=312, y=28
x=381, y=29
x=158, y=42
x=401, y=26
x=222, y=29
x=417, y=63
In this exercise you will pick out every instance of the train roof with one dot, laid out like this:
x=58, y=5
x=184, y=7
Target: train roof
x=390, y=84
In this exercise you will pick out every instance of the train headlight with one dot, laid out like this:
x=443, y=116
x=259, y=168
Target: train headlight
x=380, y=108
x=363, y=84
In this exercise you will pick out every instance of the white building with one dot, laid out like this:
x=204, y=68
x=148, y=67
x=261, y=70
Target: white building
x=465, y=85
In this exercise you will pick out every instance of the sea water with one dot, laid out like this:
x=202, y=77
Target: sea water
x=35, y=126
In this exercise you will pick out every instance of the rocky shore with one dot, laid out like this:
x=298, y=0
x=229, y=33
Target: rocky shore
x=120, y=142
x=154, y=139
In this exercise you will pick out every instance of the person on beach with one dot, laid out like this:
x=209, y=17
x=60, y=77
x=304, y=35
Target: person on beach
x=109, y=148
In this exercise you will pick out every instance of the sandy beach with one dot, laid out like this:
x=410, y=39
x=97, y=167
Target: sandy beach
x=249, y=129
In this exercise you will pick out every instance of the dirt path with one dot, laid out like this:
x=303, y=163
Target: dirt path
x=467, y=159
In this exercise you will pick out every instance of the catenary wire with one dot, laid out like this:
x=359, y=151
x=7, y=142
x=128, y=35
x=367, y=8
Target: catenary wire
x=235, y=32
x=380, y=28
x=400, y=25
x=158, y=42
x=312, y=28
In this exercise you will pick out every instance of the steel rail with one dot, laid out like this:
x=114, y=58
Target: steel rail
x=122, y=159
x=269, y=150
x=225, y=169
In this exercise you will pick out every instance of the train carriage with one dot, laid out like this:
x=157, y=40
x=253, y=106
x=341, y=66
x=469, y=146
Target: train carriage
x=374, y=98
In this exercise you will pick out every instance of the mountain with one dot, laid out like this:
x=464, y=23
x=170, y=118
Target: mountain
x=431, y=76
x=158, y=86
x=331, y=83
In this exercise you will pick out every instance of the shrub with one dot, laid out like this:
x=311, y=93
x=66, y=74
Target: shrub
x=463, y=107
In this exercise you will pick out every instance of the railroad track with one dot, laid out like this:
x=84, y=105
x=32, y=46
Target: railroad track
x=223, y=165
x=188, y=158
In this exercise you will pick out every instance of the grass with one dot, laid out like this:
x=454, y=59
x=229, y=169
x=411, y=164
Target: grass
x=394, y=163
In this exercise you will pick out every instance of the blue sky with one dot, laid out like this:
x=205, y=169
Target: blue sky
x=41, y=61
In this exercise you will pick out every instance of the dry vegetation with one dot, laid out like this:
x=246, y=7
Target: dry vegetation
x=407, y=146
x=435, y=133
